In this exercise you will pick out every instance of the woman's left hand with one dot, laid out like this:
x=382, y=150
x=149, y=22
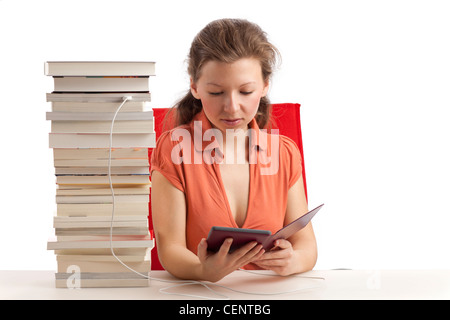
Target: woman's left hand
x=281, y=259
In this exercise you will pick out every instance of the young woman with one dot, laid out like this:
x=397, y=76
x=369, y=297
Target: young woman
x=205, y=174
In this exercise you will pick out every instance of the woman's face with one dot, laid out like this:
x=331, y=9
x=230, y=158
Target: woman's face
x=230, y=92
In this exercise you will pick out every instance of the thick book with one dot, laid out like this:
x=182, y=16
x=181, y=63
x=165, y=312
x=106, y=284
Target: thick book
x=240, y=236
x=119, y=170
x=102, y=209
x=98, y=116
x=101, y=84
x=100, y=107
x=99, y=68
x=103, y=179
x=101, y=153
x=125, y=140
x=100, y=122
x=135, y=190
x=79, y=281
x=100, y=222
x=126, y=126
x=97, y=97
x=102, y=258
x=96, y=266
x=102, y=251
x=101, y=162
x=102, y=242
x=102, y=198
x=103, y=232
x=103, y=266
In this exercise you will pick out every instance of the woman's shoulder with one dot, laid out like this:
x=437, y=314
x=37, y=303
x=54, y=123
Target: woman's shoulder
x=169, y=138
x=288, y=146
x=291, y=159
x=167, y=144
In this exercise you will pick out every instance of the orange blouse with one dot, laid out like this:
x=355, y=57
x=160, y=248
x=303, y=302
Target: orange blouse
x=193, y=167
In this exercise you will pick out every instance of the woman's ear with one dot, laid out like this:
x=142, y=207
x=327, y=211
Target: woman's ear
x=194, y=90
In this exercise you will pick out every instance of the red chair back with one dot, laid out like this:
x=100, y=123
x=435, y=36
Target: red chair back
x=285, y=118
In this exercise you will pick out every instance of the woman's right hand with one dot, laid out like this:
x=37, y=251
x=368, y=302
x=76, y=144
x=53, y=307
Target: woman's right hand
x=217, y=265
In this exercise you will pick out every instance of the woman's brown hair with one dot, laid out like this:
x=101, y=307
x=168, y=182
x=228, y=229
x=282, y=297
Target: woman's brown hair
x=227, y=40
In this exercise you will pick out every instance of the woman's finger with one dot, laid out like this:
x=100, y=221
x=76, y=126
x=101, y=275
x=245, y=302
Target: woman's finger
x=225, y=247
x=202, y=250
x=282, y=244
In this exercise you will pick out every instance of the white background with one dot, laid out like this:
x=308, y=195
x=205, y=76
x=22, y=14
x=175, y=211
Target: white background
x=373, y=78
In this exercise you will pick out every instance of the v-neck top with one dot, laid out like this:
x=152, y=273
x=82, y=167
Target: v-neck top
x=189, y=157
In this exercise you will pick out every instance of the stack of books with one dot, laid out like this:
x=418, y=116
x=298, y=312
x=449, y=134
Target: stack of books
x=88, y=222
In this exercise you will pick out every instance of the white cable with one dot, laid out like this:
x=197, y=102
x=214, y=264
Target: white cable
x=125, y=99
x=207, y=286
x=179, y=283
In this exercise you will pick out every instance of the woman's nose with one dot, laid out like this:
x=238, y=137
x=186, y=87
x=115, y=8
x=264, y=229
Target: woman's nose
x=231, y=103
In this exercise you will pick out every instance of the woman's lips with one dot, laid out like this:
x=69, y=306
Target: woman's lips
x=231, y=122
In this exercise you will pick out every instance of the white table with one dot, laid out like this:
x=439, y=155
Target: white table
x=336, y=284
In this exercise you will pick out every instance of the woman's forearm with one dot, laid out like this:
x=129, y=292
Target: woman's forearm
x=306, y=255
x=180, y=262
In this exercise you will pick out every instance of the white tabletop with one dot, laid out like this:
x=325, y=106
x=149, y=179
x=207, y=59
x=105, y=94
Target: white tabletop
x=330, y=284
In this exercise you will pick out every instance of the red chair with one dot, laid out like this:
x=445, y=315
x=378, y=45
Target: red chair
x=285, y=118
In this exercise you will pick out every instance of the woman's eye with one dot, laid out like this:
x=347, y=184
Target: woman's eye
x=219, y=93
